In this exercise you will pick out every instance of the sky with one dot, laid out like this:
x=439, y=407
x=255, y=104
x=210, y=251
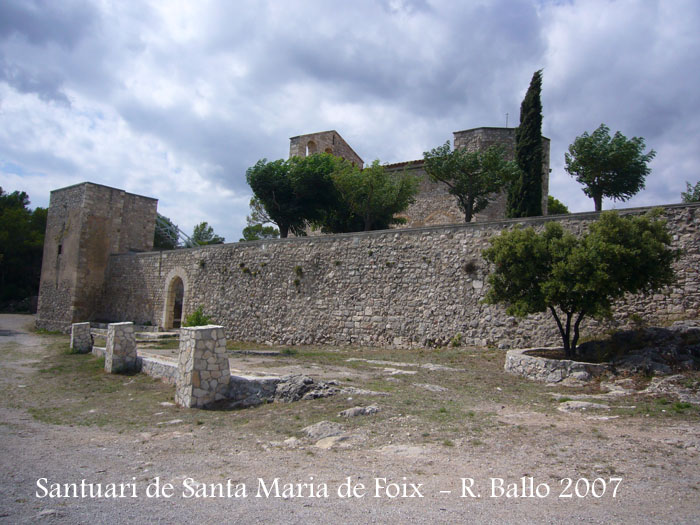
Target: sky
x=176, y=99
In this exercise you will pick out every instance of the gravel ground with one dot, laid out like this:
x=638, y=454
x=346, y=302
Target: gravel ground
x=658, y=461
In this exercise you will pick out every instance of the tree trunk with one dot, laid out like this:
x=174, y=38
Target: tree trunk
x=574, y=341
x=468, y=210
x=284, y=230
x=565, y=332
x=598, y=201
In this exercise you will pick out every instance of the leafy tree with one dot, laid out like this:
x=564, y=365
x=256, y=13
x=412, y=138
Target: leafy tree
x=614, y=168
x=368, y=199
x=204, y=234
x=574, y=277
x=294, y=192
x=258, y=215
x=256, y=221
x=475, y=178
x=21, y=246
x=256, y=232
x=165, y=235
x=555, y=206
x=692, y=193
x=525, y=194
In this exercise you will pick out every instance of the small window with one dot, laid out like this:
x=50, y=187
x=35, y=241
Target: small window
x=60, y=249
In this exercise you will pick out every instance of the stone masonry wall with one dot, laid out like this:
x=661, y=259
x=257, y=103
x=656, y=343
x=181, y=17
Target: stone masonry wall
x=433, y=205
x=60, y=259
x=401, y=288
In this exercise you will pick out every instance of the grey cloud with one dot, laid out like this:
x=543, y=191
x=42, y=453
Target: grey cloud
x=44, y=21
x=45, y=84
x=413, y=71
x=370, y=55
x=228, y=147
x=41, y=162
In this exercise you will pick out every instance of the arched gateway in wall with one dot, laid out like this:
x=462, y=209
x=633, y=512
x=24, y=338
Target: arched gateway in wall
x=174, y=298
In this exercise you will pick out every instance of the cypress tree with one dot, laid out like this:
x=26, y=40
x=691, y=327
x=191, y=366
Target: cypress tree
x=525, y=195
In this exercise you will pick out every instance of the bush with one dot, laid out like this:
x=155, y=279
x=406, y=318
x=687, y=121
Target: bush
x=197, y=318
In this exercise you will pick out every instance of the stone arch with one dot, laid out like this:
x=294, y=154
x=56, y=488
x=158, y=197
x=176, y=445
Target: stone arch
x=311, y=147
x=329, y=150
x=174, y=299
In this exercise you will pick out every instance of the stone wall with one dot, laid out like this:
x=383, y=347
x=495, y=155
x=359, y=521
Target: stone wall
x=59, y=268
x=433, y=205
x=401, y=288
x=85, y=224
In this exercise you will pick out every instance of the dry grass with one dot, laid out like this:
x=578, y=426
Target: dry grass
x=71, y=389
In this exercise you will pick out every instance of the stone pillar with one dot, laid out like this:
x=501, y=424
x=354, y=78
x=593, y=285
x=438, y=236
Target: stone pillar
x=202, y=371
x=120, y=354
x=80, y=338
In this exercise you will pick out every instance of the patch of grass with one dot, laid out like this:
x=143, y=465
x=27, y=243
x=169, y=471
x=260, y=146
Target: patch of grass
x=163, y=344
x=41, y=331
x=681, y=406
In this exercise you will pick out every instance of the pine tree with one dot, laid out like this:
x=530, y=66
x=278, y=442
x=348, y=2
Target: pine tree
x=525, y=195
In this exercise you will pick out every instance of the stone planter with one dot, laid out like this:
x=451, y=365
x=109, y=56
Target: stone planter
x=521, y=363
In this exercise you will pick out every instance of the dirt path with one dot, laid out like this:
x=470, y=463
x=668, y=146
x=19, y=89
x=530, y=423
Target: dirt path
x=657, y=460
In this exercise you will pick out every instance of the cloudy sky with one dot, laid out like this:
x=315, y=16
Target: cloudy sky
x=175, y=99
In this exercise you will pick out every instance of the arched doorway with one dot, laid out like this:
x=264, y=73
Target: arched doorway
x=174, y=303
x=179, y=296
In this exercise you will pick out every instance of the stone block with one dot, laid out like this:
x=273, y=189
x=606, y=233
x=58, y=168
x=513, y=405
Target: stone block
x=202, y=380
x=80, y=338
x=120, y=353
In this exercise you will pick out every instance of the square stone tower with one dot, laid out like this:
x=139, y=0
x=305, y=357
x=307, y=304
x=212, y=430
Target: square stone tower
x=434, y=205
x=323, y=142
x=87, y=223
x=480, y=139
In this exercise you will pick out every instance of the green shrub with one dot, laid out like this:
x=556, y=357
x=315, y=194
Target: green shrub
x=197, y=318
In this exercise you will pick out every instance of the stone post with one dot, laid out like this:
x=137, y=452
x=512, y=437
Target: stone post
x=202, y=371
x=120, y=354
x=80, y=338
